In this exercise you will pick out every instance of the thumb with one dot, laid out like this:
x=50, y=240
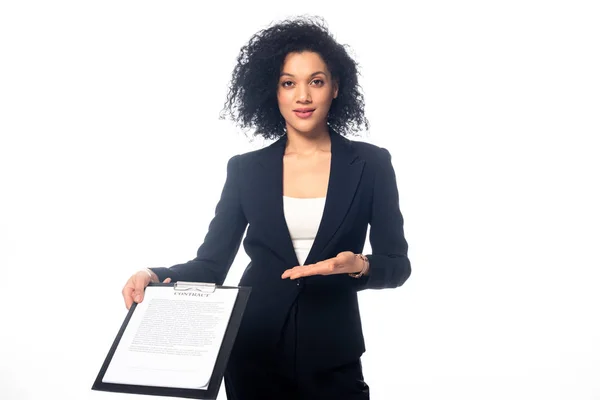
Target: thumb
x=138, y=294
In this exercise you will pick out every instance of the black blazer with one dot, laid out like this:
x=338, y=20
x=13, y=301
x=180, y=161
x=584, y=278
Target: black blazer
x=361, y=191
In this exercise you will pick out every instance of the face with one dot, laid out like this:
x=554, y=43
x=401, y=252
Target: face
x=305, y=92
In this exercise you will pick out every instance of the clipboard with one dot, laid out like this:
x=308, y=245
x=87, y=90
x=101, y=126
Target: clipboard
x=216, y=378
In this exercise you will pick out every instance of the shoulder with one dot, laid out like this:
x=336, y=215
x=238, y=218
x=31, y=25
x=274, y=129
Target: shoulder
x=248, y=160
x=369, y=152
x=250, y=157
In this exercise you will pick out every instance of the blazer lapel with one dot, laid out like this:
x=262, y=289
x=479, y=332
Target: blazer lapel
x=344, y=176
x=272, y=196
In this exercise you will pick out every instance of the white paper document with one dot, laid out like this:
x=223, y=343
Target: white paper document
x=173, y=338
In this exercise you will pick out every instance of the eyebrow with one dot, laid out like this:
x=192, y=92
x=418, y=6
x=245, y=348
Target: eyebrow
x=313, y=74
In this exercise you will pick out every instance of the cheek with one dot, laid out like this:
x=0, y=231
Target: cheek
x=285, y=106
x=283, y=98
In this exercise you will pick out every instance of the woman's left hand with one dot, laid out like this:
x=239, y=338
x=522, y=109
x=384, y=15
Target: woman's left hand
x=344, y=263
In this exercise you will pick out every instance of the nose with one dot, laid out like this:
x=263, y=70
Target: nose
x=303, y=94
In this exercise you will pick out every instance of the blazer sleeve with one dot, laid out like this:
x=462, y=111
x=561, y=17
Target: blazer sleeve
x=221, y=243
x=389, y=263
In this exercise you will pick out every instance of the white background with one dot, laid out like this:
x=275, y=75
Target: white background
x=112, y=158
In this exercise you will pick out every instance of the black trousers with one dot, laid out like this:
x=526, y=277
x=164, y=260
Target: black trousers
x=251, y=379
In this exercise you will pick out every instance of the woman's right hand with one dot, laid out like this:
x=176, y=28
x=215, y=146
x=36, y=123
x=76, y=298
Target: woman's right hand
x=134, y=288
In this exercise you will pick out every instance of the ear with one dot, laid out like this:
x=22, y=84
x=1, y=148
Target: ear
x=335, y=89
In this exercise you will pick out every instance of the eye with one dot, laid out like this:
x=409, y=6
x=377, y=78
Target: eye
x=321, y=82
x=284, y=84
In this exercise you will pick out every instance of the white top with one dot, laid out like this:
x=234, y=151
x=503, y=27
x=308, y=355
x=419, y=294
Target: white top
x=303, y=217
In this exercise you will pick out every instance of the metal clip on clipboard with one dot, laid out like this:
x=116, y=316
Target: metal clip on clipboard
x=195, y=286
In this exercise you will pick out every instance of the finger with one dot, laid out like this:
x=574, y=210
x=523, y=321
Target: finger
x=320, y=268
x=295, y=271
x=325, y=267
x=139, y=284
x=288, y=272
x=168, y=280
x=128, y=296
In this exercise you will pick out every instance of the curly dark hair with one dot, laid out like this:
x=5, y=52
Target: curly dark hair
x=252, y=96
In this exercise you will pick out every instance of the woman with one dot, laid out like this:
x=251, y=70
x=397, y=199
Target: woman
x=306, y=200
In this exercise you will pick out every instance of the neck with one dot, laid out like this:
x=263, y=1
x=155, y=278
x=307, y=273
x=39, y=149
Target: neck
x=308, y=143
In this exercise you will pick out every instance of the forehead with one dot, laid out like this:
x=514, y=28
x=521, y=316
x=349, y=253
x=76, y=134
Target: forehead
x=303, y=63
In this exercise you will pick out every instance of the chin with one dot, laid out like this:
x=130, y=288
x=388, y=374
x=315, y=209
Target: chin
x=305, y=131
x=307, y=128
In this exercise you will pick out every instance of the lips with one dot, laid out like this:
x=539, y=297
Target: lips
x=304, y=112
